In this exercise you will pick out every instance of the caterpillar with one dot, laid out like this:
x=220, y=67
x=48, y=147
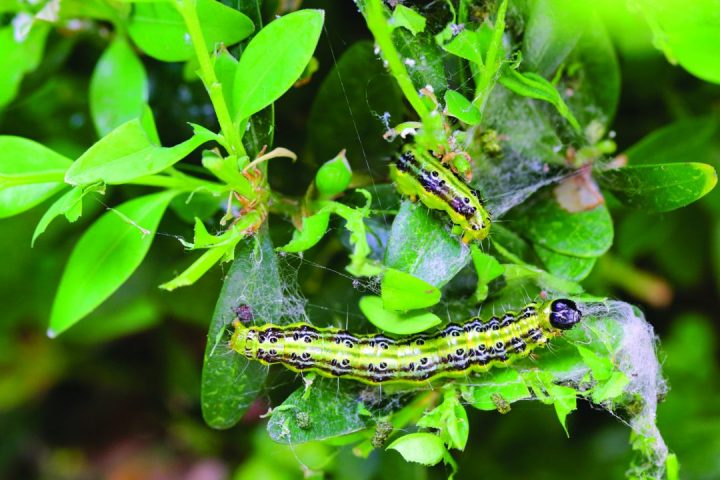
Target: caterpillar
x=454, y=351
x=419, y=174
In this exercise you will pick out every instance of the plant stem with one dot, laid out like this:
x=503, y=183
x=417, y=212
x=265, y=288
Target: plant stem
x=488, y=74
x=184, y=183
x=378, y=25
x=187, y=9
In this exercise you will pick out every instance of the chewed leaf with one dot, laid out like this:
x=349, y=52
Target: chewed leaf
x=408, y=18
x=253, y=283
x=450, y=418
x=307, y=415
x=69, y=204
x=487, y=269
x=423, y=448
x=468, y=45
x=660, y=188
x=402, y=291
x=394, y=322
x=313, y=230
x=501, y=386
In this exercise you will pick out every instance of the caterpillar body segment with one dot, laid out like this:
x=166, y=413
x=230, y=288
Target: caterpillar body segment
x=419, y=174
x=455, y=351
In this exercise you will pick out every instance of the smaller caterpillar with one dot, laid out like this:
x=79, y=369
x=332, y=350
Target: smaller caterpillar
x=454, y=351
x=419, y=174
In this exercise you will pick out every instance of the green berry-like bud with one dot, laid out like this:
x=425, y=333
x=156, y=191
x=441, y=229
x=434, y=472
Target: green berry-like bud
x=334, y=176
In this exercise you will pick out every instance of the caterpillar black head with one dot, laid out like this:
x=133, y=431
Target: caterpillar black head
x=564, y=314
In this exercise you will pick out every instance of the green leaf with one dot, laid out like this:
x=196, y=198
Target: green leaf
x=69, y=204
x=533, y=85
x=227, y=169
x=230, y=382
x=552, y=31
x=505, y=385
x=408, y=18
x=468, y=45
x=487, y=269
x=460, y=107
x=395, y=322
x=687, y=34
x=327, y=419
x=127, y=153
x=450, y=418
x=118, y=87
x=274, y=59
x=159, y=29
x=688, y=139
x=29, y=174
x=593, y=77
x=402, y=291
x=18, y=58
x=659, y=188
x=423, y=448
x=313, y=230
x=565, y=266
x=360, y=265
x=104, y=257
x=580, y=234
x=225, y=68
x=220, y=247
x=610, y=389
x=420, y=245
x=344, y=111
x=524, y=274
x=601, y=367
x=563, y=398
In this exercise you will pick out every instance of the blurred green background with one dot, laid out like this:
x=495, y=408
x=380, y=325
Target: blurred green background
x=118, y=395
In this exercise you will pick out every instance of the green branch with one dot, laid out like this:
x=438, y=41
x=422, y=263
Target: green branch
x=188, y=10
x=378, y=25
x=490, y=70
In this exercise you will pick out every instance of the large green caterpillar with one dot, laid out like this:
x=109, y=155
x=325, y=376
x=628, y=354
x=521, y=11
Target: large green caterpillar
x=418, y=173
x=454, y=351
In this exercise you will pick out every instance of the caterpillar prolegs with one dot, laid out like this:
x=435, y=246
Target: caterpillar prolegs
x=454, y=351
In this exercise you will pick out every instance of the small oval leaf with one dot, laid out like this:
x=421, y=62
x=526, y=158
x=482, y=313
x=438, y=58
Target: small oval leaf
x=118, y=87
x=402, y=291
x=274, y=59
x=160, y=31
x=394, y=322
x=423, y=448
